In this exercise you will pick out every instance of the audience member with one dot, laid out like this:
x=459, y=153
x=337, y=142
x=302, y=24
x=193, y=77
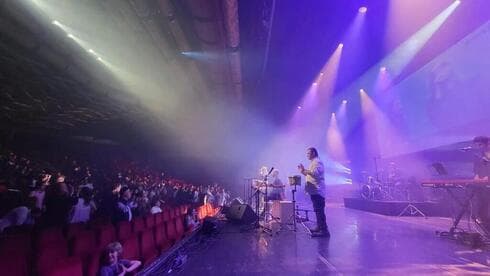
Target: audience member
x=114, y=265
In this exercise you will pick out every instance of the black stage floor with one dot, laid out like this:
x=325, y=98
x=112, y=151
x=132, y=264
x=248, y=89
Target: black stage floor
x=361, y=243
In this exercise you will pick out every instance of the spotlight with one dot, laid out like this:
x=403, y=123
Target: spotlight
x=315, y=83
x=91, y=51
x=382, y=69
x=340, y=46
x=299, y=107
x=99, y=59
x=55, y=22
x=70, y=36
x=364, y=9
x=321, y=73
x=458, y=2
x=361, y=90
x=333, y=114
x=344, y=102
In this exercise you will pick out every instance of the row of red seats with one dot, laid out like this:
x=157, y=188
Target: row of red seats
x=78, y=251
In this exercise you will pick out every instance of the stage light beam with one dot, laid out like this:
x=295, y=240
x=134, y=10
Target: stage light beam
x=335, y=144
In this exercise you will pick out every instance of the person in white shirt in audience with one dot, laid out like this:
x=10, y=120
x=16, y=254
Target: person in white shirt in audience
x=156, y=207
x=85, y=207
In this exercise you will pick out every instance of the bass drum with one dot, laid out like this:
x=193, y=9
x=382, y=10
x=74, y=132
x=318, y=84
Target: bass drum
x=372, y=192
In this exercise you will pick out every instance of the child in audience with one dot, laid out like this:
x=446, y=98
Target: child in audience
x=114, y=265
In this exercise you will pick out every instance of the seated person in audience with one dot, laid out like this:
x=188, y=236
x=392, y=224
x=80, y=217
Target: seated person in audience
x=125, y=205
x=22, y=215
x=191, y=221
x=85, y=207
x=156, y=208
x=59, y=204
x=113, y=265
x=39, y=191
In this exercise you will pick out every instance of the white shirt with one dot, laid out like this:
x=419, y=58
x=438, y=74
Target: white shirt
x=81, y=212
x=17, y=216
x=155, y=210
x=315, y=178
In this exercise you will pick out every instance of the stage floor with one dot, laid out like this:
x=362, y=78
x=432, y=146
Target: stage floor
x=361, y=243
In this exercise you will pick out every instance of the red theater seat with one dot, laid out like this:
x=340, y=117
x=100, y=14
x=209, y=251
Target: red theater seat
x=179, y=227
x=47, y=257
x=166, y=215
x=148, y=249
x=105, y=235
x=124, y=230
x=150, y=221
x=171, y=231
x=93, y=263
x=83, y=243
x=66, y=266
x=161, y=240
x=13, y=244
x=131, y=248
x=50, y=236
x=75, y=228
x=177, y=212
x=138, y=225
x=14, y=265
x=173, y=213
x=158, y=218
x=15, y=254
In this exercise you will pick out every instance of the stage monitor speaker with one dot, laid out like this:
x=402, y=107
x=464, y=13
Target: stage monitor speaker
x=241, y=213
x=236, y=201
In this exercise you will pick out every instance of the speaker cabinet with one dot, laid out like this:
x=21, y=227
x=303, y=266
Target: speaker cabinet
x=241, y=213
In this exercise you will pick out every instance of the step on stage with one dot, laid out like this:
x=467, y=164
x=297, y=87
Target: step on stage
x=361, y=243
x=397, y=208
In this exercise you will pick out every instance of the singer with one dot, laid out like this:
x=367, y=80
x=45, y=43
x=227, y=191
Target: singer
x=315, y=187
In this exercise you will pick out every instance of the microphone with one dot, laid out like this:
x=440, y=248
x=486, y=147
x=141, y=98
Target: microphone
x=270, y=171
x=466, y=148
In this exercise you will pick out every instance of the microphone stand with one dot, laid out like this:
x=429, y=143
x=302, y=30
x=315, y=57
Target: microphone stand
x=257, y=223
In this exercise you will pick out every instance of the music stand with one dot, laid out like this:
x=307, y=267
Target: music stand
x=294, y=181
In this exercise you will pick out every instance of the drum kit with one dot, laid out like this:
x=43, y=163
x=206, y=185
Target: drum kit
x=283, y=212
x=386, y=186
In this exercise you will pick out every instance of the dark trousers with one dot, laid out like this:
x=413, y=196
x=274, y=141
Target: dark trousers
x=483, y=202
x=319, y=208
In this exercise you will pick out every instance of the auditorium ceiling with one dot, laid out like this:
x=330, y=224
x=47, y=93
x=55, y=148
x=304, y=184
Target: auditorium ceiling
x=266, y=49
x=51, y=84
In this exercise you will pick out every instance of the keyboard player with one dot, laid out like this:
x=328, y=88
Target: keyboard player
x=481, y=168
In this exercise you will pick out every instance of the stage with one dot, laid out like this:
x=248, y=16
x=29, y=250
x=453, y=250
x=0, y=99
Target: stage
x=397, y=208
x=361, y=243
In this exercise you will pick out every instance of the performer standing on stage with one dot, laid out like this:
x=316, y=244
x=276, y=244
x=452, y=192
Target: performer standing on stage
x=481, y=168
x=315, y=187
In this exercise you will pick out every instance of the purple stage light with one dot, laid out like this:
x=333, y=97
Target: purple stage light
x=299, y=107
x=340, y=46
x=362, y=9
x=344, y=102
x=382, y=69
